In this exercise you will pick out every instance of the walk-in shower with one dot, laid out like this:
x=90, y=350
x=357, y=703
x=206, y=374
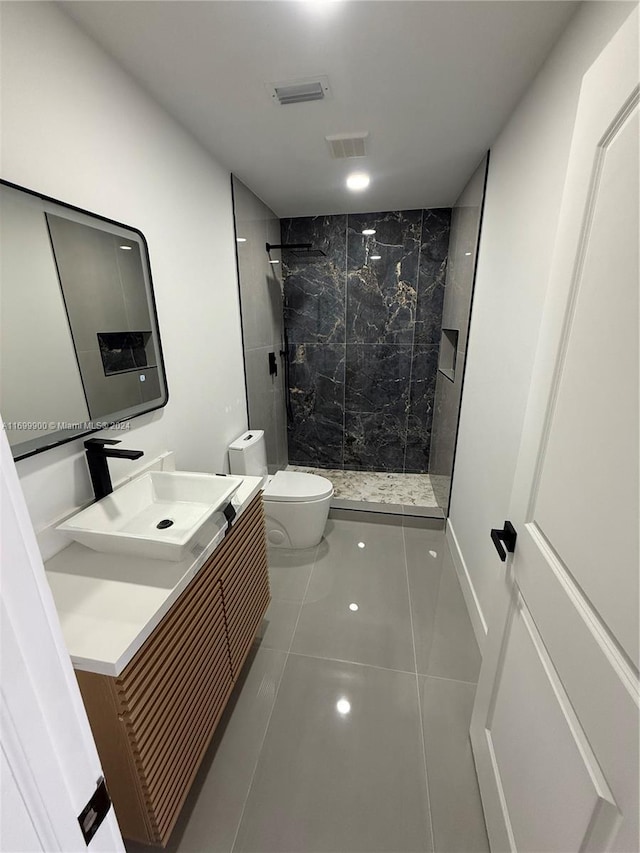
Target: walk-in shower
x=367, y=320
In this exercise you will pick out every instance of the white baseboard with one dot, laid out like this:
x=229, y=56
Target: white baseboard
x=471, y=599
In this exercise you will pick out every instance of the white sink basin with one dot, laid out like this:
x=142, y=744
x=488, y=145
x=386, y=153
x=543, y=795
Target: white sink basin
x=126, y=521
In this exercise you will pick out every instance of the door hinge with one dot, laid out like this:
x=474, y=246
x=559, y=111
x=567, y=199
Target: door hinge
x=95, y=811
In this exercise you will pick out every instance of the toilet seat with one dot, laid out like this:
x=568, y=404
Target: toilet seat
x=297, y=486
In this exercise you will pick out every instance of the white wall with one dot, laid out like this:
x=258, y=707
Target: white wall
x=526, y=177
x=76, y=127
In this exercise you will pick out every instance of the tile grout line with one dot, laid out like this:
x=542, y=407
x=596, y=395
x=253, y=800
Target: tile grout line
x=346, y=297
x=304, y=595
x=275, y=699
x=353, y=662
x=377, y=666
x=446, y=678
x=420, y=720
x=413, y=345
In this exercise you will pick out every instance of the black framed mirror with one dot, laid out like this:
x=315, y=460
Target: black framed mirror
x=80, y=346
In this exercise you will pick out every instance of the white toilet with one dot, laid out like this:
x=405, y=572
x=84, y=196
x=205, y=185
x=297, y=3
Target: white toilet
x=296, y=504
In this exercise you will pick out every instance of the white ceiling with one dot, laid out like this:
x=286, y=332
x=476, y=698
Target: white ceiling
x=432, y=82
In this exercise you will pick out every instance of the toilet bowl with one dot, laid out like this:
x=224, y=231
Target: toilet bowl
x=296, y=504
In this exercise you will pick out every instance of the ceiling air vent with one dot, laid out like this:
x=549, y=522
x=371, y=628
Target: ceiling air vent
x=342, y=145
x=299, y=91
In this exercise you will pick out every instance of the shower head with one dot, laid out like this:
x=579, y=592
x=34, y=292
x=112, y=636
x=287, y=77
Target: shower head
x=302, y=251
x=308, y=253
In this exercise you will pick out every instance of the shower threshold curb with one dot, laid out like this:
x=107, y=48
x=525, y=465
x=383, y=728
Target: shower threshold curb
x=405, y=515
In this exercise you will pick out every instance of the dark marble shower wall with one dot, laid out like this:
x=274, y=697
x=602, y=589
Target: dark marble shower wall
x=363, y=338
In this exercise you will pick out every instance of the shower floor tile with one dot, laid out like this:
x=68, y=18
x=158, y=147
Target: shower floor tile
x=377, y=486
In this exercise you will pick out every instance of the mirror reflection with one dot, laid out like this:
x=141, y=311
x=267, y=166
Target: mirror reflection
x=79, y=347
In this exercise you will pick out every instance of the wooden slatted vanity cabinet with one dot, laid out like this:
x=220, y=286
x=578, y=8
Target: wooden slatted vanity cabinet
x=153, y=723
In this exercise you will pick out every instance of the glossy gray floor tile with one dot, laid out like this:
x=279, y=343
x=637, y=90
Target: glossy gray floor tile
x=289, y=572
x=340, y=769
x=278, y=625
x=357, y=604
x=456, y=809
x=216, y=812
x=445, y=642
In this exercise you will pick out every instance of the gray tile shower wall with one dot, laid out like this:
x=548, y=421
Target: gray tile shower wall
x=464, y=239
x=262, y=326
x=363, y=337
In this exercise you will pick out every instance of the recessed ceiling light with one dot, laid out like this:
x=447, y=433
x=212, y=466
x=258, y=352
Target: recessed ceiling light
x=358, y=181
x=369, y=232
x=375, y=257
x=353, y=606
x=467, y=253
x=274, y=262
x=360, y=544
x=126, y=248
x=241, y=239
x=321, y=7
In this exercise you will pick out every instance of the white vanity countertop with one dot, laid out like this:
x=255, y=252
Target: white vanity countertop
x=109, y=604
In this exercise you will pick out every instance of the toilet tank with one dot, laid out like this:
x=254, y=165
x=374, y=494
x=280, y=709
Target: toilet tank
x=248, y=454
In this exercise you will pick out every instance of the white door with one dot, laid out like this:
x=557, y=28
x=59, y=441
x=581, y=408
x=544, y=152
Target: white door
x=49, y=764
x=555, y=723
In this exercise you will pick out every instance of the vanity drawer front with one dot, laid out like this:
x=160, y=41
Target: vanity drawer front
x=246, y=542
x=157, y=717
x=166, y=659
x=171, y=715
x=246, y=597
x=245, y=591
x=163, y=652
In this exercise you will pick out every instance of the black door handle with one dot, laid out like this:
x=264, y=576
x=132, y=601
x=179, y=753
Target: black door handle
x=507, y=535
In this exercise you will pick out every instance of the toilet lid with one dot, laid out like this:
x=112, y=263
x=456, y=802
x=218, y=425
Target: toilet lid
x=296, y=486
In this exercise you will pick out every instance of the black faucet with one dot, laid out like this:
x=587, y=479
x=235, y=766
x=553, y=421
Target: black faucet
x=97, y=454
